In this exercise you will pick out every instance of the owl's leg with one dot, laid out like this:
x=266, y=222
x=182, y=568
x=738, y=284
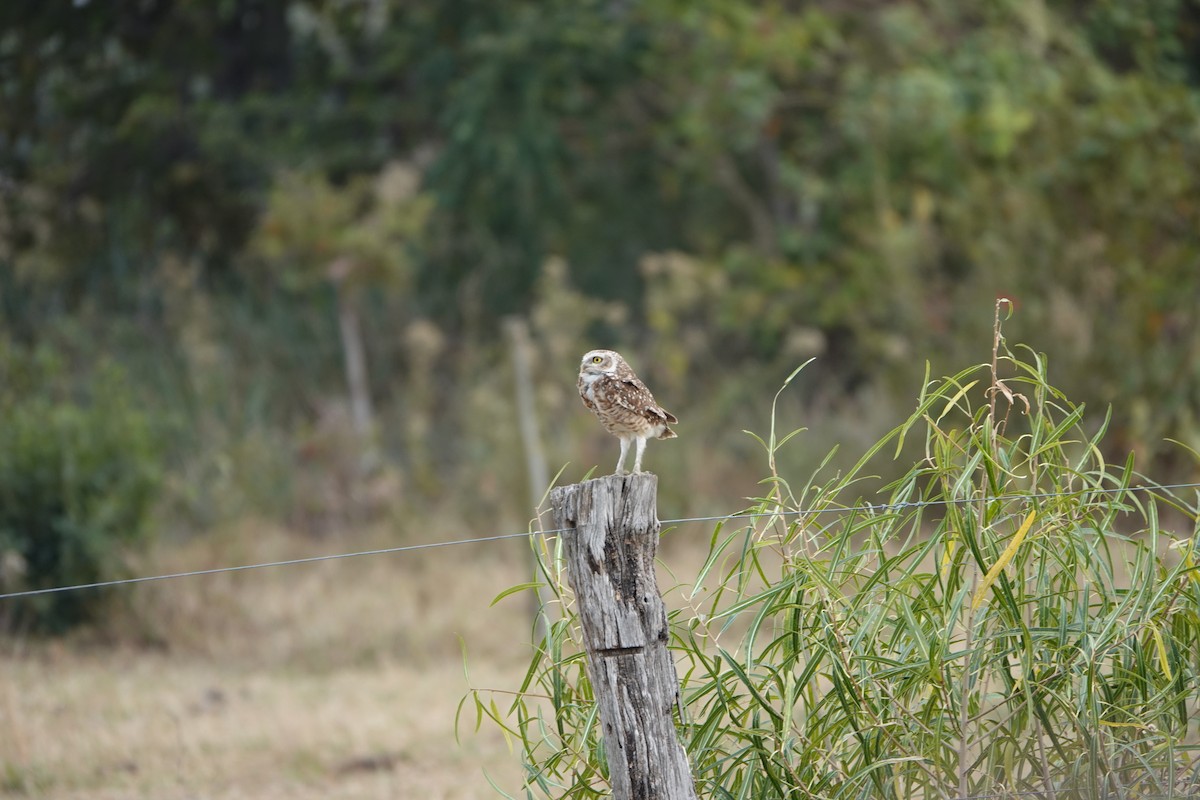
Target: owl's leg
x=637, y=459
x=621, y=460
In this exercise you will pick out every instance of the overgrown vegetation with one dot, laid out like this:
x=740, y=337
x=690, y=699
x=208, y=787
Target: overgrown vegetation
x=1012, y=615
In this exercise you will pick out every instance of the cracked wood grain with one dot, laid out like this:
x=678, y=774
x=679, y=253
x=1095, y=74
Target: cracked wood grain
x=609, y=548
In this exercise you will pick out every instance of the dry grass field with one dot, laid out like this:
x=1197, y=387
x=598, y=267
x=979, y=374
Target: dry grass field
x=333, y=679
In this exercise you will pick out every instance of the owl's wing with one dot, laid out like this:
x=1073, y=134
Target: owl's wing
x=634, y=396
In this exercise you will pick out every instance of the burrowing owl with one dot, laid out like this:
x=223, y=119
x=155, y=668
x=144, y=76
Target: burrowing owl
x=624, y=405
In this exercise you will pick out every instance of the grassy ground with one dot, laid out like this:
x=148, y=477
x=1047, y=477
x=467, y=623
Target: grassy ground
x=334, y=679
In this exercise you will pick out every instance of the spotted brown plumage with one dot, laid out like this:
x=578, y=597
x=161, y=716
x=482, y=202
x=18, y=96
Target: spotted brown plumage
x=610, y=390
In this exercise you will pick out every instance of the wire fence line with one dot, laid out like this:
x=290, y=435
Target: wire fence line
x=1046, y=794
x=799, y=512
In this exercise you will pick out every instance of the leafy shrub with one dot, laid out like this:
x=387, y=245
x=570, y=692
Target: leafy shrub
x=1013, y=618
x=78, y=472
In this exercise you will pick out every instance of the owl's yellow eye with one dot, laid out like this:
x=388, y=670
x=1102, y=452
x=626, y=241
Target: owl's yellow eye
x=596, y=359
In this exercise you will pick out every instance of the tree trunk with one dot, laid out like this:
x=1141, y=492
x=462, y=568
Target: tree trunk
x=356, y=359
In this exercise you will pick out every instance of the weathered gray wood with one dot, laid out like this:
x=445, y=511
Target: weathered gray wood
x=609, y=546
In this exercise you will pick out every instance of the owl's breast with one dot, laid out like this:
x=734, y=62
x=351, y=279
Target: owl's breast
x=587, y=393
x=617, y=405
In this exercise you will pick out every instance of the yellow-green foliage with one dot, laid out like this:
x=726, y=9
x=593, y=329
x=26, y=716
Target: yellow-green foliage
x=363, y=232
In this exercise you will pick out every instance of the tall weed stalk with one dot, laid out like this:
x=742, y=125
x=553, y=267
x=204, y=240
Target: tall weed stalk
x=1010, y=618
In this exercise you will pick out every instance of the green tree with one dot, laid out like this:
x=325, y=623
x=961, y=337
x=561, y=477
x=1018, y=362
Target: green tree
x=353, y=237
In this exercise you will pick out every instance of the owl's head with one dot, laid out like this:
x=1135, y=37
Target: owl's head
x=600, y=362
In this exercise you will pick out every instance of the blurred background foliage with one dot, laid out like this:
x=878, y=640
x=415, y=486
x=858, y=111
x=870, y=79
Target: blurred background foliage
x=299, y=226
x=77, y=477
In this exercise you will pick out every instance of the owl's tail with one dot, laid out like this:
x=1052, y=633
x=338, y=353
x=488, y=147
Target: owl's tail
x=667, y=433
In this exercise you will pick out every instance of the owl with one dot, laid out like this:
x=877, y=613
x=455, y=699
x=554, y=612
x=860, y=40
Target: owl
x=624, y=405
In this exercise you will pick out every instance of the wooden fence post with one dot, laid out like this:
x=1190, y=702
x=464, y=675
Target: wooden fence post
x=609, y=545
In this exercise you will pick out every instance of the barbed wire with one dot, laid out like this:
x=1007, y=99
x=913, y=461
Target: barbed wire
x=781, y=512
